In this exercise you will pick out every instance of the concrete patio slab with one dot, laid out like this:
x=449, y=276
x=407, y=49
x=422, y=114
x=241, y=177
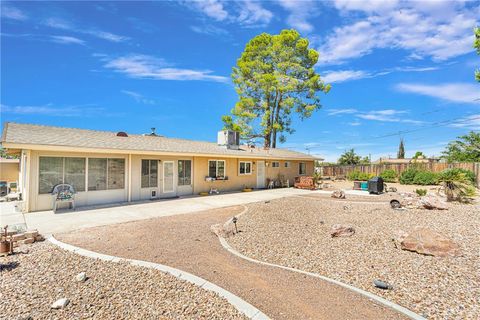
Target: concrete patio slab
x=65, y=220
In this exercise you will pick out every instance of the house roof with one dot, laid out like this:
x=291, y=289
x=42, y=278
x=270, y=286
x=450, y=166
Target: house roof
x=40, y=137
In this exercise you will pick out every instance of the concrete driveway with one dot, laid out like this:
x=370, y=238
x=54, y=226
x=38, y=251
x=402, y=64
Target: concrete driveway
x=65, y=220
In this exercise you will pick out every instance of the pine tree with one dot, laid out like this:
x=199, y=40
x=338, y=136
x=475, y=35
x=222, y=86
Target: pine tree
x=401, y=150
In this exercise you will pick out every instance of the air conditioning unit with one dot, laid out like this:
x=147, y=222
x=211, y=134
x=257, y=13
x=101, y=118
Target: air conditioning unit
x=229, y=139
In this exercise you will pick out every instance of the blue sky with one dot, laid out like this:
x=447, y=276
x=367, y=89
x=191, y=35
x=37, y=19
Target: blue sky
x=397, y=68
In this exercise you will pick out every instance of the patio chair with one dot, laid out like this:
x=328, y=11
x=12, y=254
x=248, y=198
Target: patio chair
x=63, y=193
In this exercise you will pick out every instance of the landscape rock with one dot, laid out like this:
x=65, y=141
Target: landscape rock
x=382, y=285
x=81, y=277
x=397, y=239
x=27, y=241
x=338, y=194
x=226, y=230
x=429, y=242
x=31, y=234
x=433, y=202
x=60, y=303
x=339, y=230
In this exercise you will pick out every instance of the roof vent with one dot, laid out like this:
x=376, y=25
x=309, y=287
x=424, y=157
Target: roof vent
x=122, y=134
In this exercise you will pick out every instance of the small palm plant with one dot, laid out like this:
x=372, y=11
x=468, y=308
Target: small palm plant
x=457, y=185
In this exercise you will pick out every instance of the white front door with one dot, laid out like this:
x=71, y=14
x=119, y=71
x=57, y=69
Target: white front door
x=260, y=174
x=168, y=177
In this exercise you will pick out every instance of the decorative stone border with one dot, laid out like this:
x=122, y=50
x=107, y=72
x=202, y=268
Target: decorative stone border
x=385, y=302
x=241, y=305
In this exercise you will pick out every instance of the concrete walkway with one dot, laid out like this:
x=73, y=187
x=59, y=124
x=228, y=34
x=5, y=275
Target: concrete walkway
x=49, y=223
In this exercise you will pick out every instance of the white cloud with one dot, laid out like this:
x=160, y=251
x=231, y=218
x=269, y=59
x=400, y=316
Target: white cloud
x=440, y=31
x=252, y=13
x=148, y=67
x=452, y=92
x=67, y=40
x=334, y=112
x=58, y=23
x=355, y=123
x=344, y=75
x=138, y=97
x=386, y=115
x=299, y=13
x=470, y=122
x=49, y=110
x=210, y=30
x=212, y=8
x=246, y=13
x=10, y=12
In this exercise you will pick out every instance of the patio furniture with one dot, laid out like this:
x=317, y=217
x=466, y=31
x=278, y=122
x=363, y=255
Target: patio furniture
x=63, y=193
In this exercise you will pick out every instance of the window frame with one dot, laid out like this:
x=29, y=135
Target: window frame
x=216, y=168
x=277, y=166
x=64, y=173
x=300, y=167
x=184, y=176
x=107, y=174
x=245, y=163
x=287, y=164
x=149, y=174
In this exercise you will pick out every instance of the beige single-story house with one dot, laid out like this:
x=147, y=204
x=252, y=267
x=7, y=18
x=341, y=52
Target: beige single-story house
x=114, y=167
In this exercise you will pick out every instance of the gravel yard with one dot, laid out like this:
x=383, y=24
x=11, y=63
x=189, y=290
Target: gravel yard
x=33, y=280
x=295, y=232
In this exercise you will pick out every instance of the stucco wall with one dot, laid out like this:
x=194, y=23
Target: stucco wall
x=236, y=181
x=9, y=172
x=38, y=202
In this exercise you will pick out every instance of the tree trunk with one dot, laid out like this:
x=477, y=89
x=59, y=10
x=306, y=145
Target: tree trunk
x=277, y=116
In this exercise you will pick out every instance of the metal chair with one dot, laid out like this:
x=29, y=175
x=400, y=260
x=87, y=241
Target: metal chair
x=63, y=193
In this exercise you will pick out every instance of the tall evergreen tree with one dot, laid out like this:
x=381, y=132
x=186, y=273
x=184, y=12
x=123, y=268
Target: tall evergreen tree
x=401, y=150
x=274, y=78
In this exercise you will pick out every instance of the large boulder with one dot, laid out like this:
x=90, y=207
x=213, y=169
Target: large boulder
x=429, y=242
x=340, y=230
x=338, y=194
x=433, y=202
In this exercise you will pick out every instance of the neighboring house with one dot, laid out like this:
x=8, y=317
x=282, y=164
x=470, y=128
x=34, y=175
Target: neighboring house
x=405, y=160
x=9, y=171
x=110, y=167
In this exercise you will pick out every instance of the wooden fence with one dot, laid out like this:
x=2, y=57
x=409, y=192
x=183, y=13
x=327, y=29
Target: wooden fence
x=376, y=169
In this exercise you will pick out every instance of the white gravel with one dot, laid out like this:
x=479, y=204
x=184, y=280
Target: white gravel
x=295, y=232
x=33, y=281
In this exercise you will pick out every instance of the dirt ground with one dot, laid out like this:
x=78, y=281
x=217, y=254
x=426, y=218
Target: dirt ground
x=186, y=242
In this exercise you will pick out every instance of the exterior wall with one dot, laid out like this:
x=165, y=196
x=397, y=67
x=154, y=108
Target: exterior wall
x=39, y=202
x=133, y=191
x=139, y=193
x=236, y=181
x=9, y=171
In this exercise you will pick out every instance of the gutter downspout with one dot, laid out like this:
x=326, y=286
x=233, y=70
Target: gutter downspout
x=129, y=178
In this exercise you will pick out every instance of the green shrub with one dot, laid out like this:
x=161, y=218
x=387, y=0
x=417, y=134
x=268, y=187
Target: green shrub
x=389, y=175
x=421, y=192
x=408, y=175
x=457, y=183
x=359, y=176
x=425, y=178
x=457, y=171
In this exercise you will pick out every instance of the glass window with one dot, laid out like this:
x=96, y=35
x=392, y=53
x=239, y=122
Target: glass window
x=116, y=173
x=216, y=168
x=97, y=174
x=57, y=170
x=51, y=173
x=302, y=169
x=275, y=164
x=75, y=173
x=287, y=164
x=149, y=173
x=184, y=172
x=245, y=167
